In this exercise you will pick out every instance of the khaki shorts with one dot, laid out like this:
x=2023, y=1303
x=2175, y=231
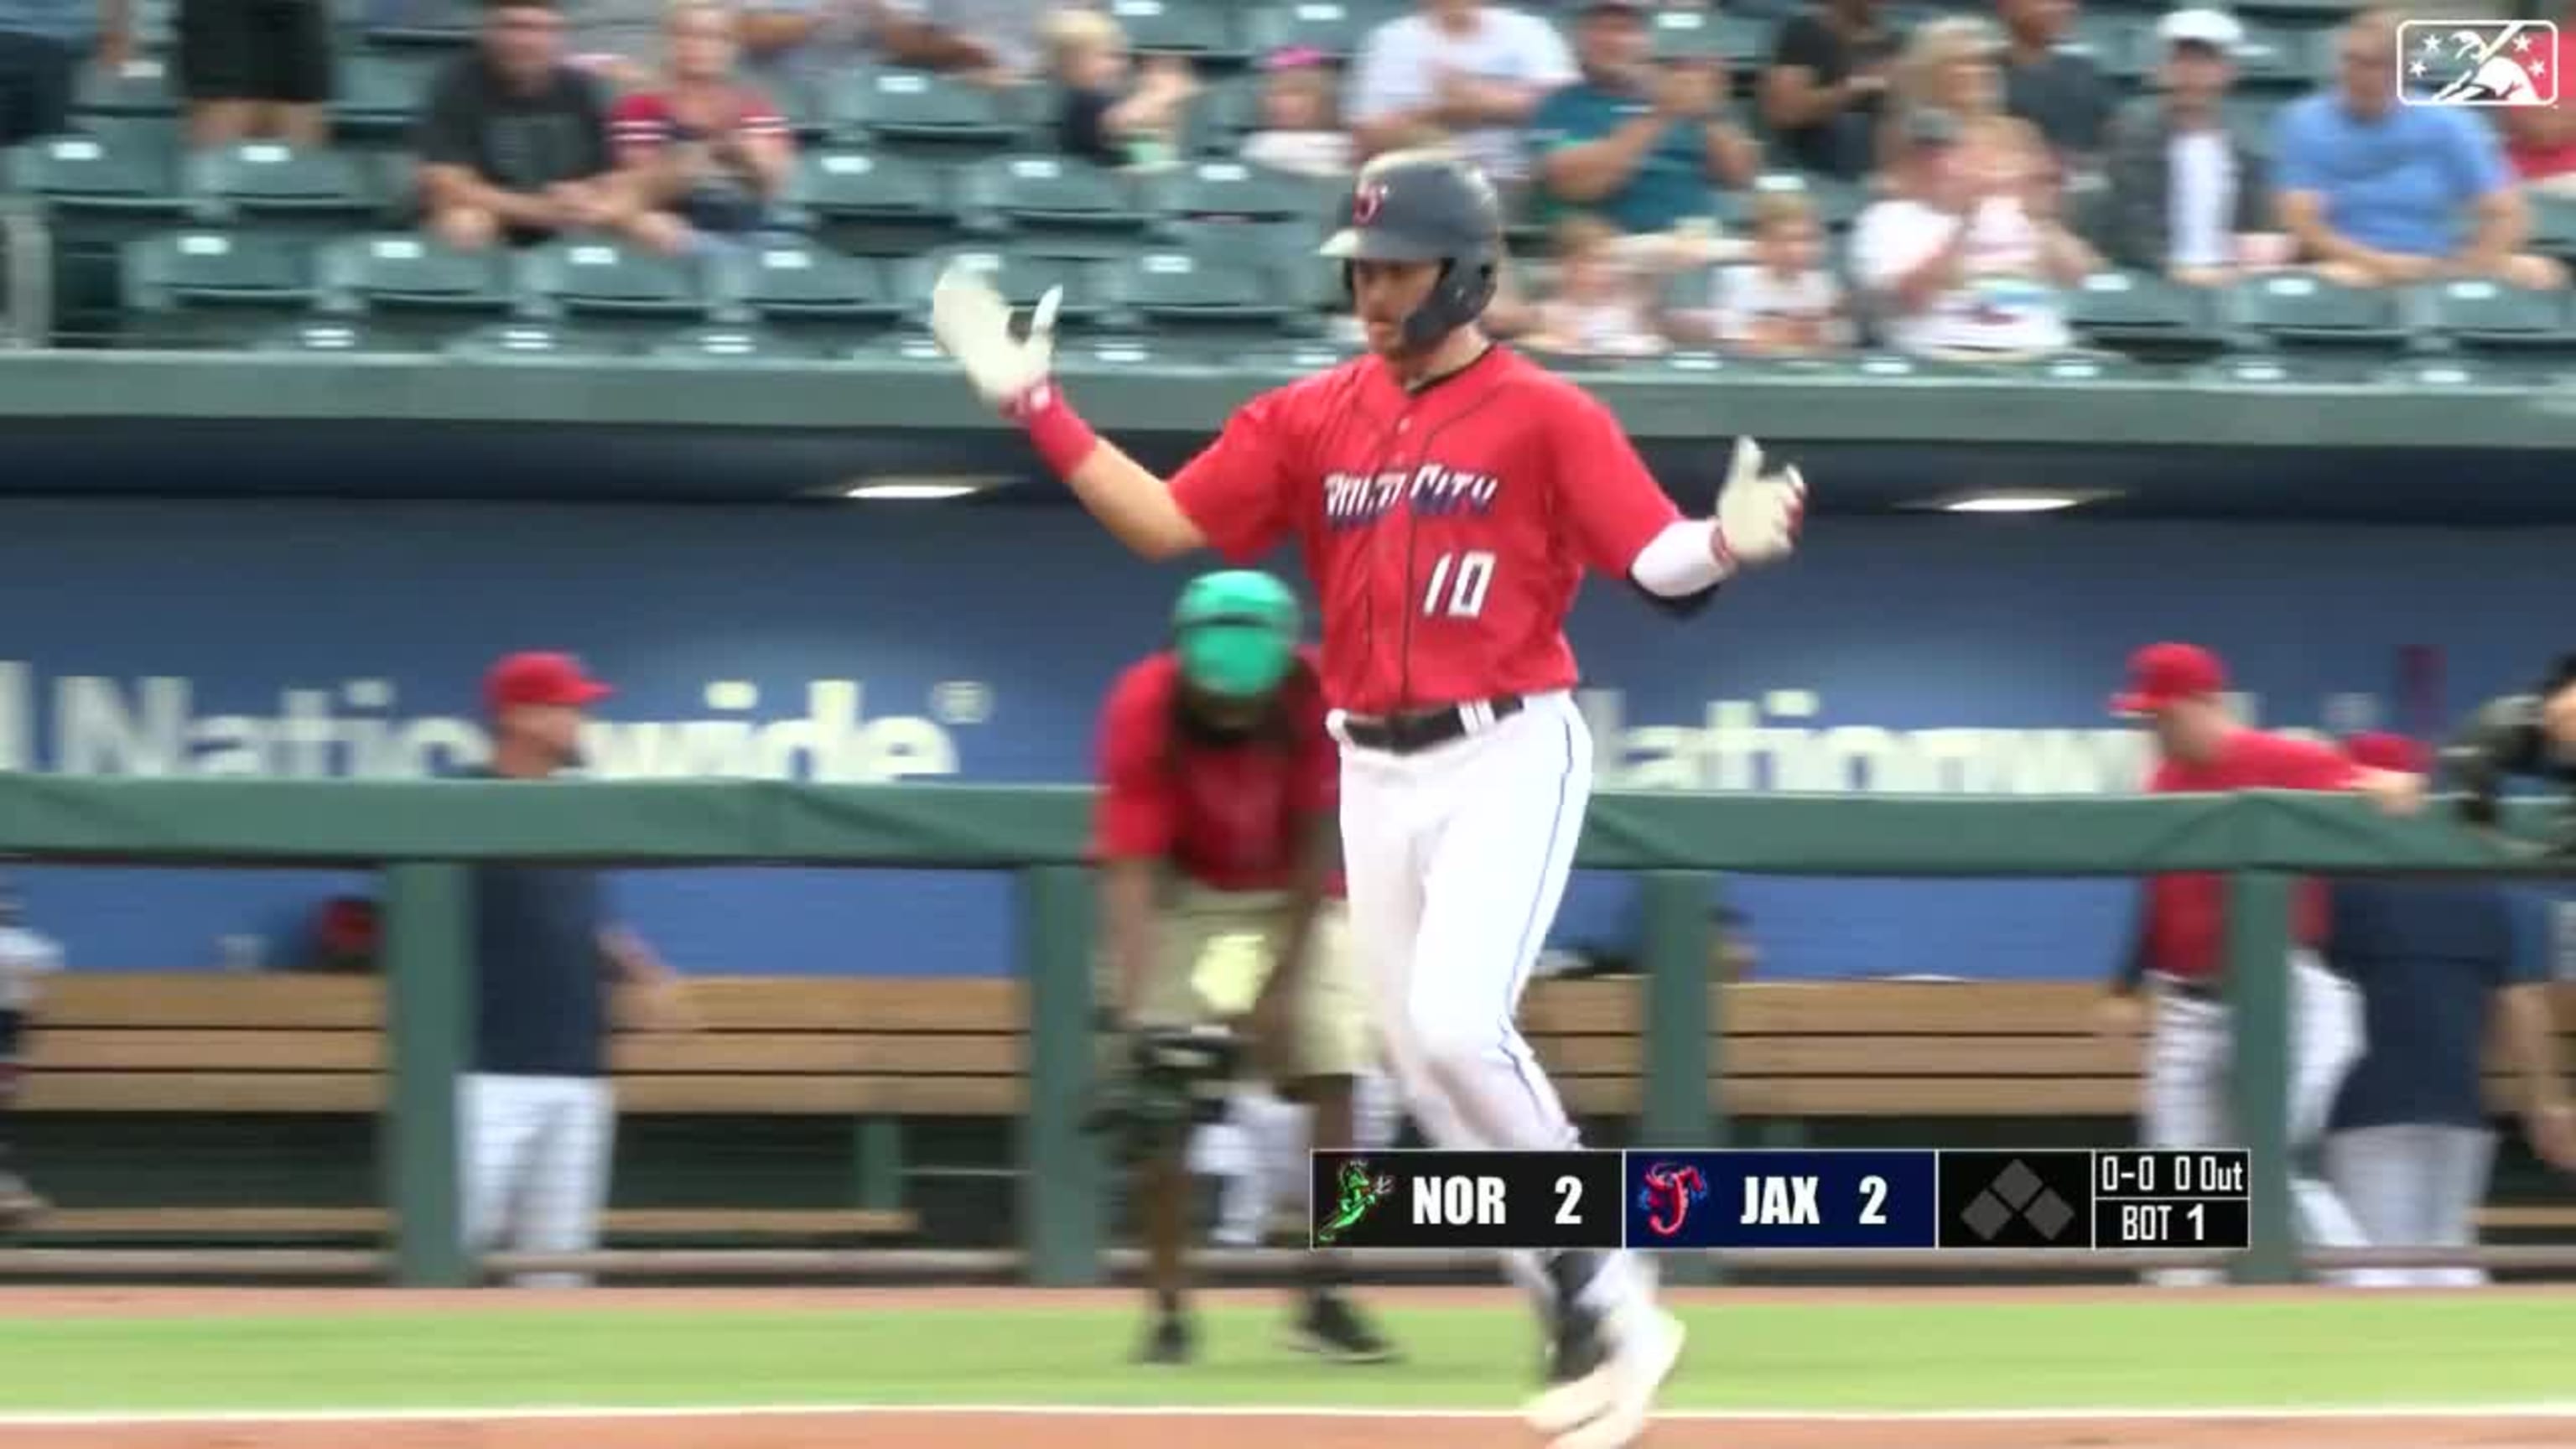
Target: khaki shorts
x=1216, y=948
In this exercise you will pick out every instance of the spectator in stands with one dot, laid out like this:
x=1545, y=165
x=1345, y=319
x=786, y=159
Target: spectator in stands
x=1828, y=78
x=1954, y=265
x=1114, y=115
x=26, y=958
x=2379, y=194
x=514, y=143
x=2188, y=199
x=795, y=46
x=1598, y=309
x=1301, y=128
x=2540, y=141
x=1951, y=64
x=1460, y=70
x=255, y=70
x=1783, y=300
x=702, y=156
x=43, y=44
x=992, y=42
x=2060, y=92
x=536, y=1110
x=1637, y=142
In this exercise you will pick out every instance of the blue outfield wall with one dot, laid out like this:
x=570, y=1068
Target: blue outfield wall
x=875, y=643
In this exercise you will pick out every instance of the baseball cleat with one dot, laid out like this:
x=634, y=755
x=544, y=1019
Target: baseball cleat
x=1329, y=1327
x=1645, y=1346
x=1578, y=1375
x=1169, y=1343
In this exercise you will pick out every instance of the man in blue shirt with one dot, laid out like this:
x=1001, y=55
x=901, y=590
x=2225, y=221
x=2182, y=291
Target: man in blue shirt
x=2408, y=1144
x=2378, y=194
x=43, y=44
x=1638, y=143
x=535, y=1107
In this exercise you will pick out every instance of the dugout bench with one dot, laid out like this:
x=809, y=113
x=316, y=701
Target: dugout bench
x=881, y=1051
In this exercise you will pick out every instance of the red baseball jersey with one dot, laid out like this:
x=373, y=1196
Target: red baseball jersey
x=2187, y=912
x=644, y=122
x=1445, y=527
x=1231, y=817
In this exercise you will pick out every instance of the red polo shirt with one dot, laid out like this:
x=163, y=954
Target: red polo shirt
x=2187, y=912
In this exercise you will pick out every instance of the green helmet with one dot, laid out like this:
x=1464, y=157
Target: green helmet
x=1235, y=633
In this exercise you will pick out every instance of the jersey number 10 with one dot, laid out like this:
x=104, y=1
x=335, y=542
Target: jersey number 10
x=1458, y=584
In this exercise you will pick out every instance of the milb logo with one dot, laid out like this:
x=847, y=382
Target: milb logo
x=2477, y=63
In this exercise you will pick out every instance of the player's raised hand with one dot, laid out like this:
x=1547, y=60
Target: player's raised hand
x=973, y=325
x=1758, y=513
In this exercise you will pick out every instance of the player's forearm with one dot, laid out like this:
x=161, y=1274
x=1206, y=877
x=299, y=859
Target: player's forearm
x=2532, y=1039
x=1688, y=557
x=2303, y=217
x=1127, y=908
x=1129, y=499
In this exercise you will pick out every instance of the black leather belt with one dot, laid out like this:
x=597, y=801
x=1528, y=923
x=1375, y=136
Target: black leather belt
x=1411, y=734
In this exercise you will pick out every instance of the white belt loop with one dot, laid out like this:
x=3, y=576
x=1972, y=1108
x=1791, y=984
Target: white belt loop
x=1337, y=725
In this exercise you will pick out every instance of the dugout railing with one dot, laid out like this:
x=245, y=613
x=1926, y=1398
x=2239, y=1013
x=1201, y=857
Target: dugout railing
x=422, y=835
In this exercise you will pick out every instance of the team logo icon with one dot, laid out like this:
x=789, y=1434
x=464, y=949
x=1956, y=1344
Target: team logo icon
x=2477, y=63
x=1666, y=1194
x=1356, y=1194
x=1367, y=202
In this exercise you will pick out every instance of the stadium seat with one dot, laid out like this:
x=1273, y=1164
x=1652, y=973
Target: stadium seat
x=1090, y=298
x=794, y=285
x=1700, y=34
x=523, y=340
x=2302, y=311
x=725, y=342
x=1053, y=204
x=1221, y=115
x=2116, y=44
x=379, y=95
x=874, y=205
x=438, y=24
x=1202, y=31
x=140, y=88
x=200, y=287
x=2553, y=224
x=113, y=174
x=1334, y=27
x=2488, y=317
x=1234, y=191
x=1197, y=294
x=2144, y=316
x=2277, y=62
x=922, y=112
x=610, y=290
x=413, y=289
x=271, y=184
x=328, y=335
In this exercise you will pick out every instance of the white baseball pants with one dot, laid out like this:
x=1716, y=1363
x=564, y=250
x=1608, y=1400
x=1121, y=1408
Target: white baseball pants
x=1260, y=1151
x=536, y=1160
x=2188, y=1059
x=2415, y=1185
x=1457, y=859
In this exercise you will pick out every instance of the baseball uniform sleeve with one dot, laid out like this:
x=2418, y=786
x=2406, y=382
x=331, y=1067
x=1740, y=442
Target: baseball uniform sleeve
x=1236, y=491
x=1614, y=507
x=2290, y=764
x=1133, y=818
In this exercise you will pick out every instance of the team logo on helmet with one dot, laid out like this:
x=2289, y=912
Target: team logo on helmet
x=1367, y=202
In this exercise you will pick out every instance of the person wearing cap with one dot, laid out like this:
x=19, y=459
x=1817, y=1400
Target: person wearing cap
x=1640, y=143
x=2408, y=1145
x=1222, y=900
x=2180, y=952
x=535, y=1106
x=2188, y=199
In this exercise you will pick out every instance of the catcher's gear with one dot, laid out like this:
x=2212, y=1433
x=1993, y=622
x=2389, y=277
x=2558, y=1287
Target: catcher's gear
x=1175, y=1078
x=1235, y=632
x=973, y=324
x=1758, y=513
x=2507, y=737
x=1421, y=207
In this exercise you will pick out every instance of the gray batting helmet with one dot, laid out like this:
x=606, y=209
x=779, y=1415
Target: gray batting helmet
x=1421, y=207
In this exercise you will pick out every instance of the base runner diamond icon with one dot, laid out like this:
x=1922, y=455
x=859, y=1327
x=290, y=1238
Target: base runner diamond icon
x=2477, y=63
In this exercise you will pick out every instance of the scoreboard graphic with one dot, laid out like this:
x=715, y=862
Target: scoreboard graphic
x=2078, y=1200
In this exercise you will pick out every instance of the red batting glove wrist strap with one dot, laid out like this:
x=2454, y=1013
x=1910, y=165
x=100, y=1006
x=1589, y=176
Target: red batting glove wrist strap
x=1059, y=434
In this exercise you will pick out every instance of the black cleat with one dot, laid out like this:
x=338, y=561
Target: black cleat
x=1329, y=1327
x=1575, y=1349
x=1169, y=1341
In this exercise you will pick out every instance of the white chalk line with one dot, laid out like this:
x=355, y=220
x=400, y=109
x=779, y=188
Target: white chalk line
x=540, y=1413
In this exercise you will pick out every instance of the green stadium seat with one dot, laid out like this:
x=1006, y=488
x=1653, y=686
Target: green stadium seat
x=2475, y=315
x=610, y=290
x=141, y=88
x=1205, y=295
x=2303, y=311
x=2519, y=372
x=874, y=205
x=271, y=184
x=1221, y=115
x=2117, y=44
x=2276, y=369
x=2553, y=224
x=378, y=95
x=1194, y=28
x=1702, y=35
x=413, y=288
x=922, y=111
x=729, y=343
x=112, y=174
x=2144, y=316
x=327, y=336
x=1212, y=190
x=1052, y=203
x=1090, y=296
x=524, y=340
x=794, y=284
x=2278, y=61
x=432, y=24
x=1334, y=27
x=1277, y=243
x=202, y=287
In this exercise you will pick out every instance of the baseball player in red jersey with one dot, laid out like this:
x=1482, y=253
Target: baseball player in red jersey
x=1448, y=498
x=2182, y=939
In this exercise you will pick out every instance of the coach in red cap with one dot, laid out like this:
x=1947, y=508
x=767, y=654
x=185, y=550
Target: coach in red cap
x=535, y=1108
x=2202, y=749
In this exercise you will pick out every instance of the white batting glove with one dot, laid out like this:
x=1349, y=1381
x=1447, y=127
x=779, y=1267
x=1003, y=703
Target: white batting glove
x=1758, y=513
x=973, y=325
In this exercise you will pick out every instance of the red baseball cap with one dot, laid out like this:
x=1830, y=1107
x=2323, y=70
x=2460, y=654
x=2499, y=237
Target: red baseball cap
x=2163, y=674
x=2382, y=751
x=538, y=677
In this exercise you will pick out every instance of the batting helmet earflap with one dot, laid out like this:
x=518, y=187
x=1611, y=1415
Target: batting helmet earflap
x=1235, y=632
x=1427, y=207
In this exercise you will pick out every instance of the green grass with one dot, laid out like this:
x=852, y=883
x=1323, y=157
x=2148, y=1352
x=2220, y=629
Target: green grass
x=2343, y=1351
